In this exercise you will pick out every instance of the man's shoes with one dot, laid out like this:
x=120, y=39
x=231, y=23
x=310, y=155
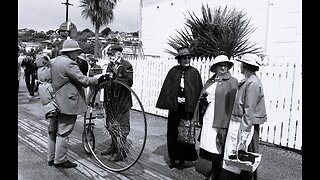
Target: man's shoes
x=51, y=163
x=120, y=156
x=172, y=164
x=180, y=165
x=110, y=151
x=67, y=164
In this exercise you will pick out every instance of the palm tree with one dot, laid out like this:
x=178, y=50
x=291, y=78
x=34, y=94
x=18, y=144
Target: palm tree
x=100, y=12
x=218, y=32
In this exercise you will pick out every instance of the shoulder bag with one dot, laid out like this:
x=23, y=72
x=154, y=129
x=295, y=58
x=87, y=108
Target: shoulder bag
x=186, y=131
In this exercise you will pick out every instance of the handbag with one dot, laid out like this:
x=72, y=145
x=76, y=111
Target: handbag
x=51, y=109
x=203, y=105
x=186, y=131
x=247, y=161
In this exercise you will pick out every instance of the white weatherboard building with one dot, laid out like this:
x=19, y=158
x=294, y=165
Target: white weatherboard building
x=278, y=23
x=278, y=31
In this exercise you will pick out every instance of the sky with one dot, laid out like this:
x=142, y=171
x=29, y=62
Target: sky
x=44, y=15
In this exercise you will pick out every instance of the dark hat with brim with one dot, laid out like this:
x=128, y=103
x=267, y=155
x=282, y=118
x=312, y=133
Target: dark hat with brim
x=114, y=48
x=183, y=51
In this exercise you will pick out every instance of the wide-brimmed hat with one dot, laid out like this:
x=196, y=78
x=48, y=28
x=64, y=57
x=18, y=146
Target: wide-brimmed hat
x=70, y=45
x=42, y=59
x=251, y=59
x=220, y=59
x=183, y=51
x=114, y=48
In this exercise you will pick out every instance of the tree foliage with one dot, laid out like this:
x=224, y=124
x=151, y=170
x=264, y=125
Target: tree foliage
x=106, y=31
x=221, y=31
x=100, y=12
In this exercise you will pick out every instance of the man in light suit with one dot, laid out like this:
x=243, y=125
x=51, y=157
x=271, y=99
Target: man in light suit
x=67, y=82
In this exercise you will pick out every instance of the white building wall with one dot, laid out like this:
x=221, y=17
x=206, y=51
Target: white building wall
x=278, y=26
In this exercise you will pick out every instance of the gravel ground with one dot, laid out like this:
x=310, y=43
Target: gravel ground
x=279, y=164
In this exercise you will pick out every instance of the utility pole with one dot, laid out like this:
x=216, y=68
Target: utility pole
x=67, y=16
x=67, y=8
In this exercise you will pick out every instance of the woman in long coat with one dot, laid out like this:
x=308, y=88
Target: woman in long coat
x=249, y=111
x=220, y=91
x=179, y=94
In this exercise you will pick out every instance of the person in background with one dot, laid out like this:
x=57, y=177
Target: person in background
x=19, y=71
x=219, y=91
x=179, y=94
x=94, y=67
x=55, y=51
x=82, y=61
x=249, y=111
x=67, y=82
x=44, y=62
x=30, y=73
x=122, y=71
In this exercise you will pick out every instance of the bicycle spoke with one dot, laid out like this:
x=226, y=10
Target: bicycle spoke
x=108, y=118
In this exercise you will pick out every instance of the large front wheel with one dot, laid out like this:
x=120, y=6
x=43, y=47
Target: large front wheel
x=120, y=126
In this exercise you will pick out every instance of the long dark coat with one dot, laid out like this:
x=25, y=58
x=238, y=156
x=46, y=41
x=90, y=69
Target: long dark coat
x=168, y=100
x=169, y=91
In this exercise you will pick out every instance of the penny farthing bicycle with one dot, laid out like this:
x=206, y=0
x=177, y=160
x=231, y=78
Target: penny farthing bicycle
x=102, y=124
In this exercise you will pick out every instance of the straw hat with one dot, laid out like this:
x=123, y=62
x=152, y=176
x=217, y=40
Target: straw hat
x=220, y=59
x=183, y=51
x=42, y=59
x=251, y=59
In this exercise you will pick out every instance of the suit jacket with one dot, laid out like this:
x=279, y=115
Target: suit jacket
x=71, y=97
x=124, y=74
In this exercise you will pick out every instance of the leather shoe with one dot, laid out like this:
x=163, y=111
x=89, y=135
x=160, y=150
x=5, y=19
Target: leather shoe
x=172, y=164
x=51, y=163
x=180, y=165
x=67, y=164
x=120, y=156
x=110, y=151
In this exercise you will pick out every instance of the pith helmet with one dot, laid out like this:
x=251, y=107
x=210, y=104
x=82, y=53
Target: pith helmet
x=70, y=45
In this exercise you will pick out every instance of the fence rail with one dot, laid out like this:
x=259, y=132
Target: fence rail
x=281, y=79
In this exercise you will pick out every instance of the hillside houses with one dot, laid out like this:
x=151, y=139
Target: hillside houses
x=122, y=37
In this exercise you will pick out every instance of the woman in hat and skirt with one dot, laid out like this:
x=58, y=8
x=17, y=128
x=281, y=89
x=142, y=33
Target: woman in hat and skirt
x=249, y=111
x=219, y=91
x=179, y=94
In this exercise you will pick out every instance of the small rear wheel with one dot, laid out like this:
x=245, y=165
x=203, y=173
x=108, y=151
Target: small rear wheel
x=88, y=141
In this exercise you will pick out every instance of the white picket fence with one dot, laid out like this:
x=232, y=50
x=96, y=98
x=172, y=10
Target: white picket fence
x=281, y=79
